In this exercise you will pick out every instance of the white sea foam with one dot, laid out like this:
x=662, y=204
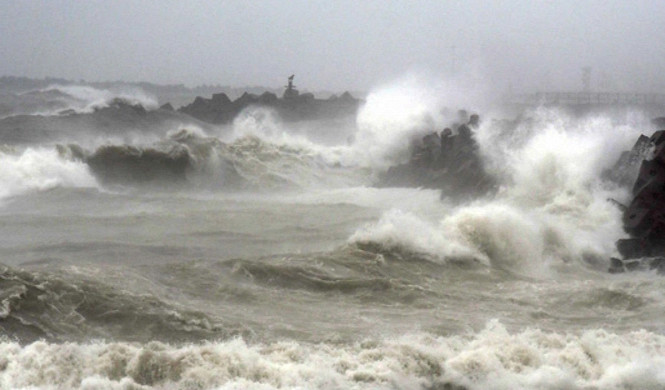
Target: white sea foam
x=37, y=169
x=552, y=205
x=492, y=358
x=86, y=99
x=265, y=149
x=265, y=124
x=407, y=108
x=390, y=117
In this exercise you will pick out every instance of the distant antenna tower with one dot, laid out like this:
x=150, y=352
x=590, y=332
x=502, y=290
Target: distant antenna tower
x=586, y=79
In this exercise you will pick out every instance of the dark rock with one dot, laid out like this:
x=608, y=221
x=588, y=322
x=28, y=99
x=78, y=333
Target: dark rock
x=167, y=107
x=659, y=122
x=446, y=162
x=123, y=105
x=268, y=98
x=202, y=109
x=293, y=106
x=658, y=137
x=306, y=96
x=639, y=264
x=626, y=168
x=637, y=220
x=220, y=99
x=631, y=248
x=644, y=218
x=346, y=96
x=246, y=99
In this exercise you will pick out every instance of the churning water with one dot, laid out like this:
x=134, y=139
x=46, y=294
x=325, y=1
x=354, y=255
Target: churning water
x=270, y=262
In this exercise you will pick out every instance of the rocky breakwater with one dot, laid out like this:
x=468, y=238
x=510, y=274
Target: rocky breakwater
x=448, y=161
x=115, y=118
x=644, y=217
x=292, y=106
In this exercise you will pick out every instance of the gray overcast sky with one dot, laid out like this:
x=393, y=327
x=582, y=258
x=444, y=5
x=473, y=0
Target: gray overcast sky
x=338, y=44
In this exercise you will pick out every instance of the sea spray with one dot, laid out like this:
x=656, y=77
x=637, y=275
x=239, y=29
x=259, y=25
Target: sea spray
x=551, y=206
x=392, y=117
x=389, y=119
x=203, y=289
x=265, y=124
x=38, y=169
x=85, y=99
x=492, y=358
x=402, y=111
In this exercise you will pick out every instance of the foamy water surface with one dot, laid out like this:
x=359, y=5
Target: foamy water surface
x=275, y=264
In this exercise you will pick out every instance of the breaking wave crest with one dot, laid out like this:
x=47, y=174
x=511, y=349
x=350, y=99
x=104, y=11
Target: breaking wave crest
x=191, y=160
x=552, y=206
x=85, y=99
x=56, y=100
x=493, y=358
x=38, y=169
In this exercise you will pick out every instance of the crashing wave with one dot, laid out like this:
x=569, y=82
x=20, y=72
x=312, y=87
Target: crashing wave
x=57, y=100
x=186, y=158
x=492, y=358
x=38, y=169
x=84, y=99
x=551, y=207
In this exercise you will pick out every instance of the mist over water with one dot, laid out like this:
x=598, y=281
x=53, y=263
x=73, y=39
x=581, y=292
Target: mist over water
x=259, y=254
x=57, y=100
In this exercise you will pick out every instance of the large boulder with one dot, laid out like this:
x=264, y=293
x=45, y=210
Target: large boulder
x=449, y=163
x=167, y=107
x=625, y=171
x=644, y=217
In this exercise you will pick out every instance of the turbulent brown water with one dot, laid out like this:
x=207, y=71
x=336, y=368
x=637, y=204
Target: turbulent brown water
x=270, y=262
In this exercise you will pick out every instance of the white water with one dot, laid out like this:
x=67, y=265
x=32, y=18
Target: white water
x=39, y=169
x=321, y=313
x=552, y=206
x=85, y=99
x=492, y=358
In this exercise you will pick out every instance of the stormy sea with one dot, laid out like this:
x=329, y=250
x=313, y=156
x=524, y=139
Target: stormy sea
x=142, y=248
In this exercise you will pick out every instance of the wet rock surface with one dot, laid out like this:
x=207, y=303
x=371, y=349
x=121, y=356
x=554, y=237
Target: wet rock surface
x=644, y=217
x=447, y=161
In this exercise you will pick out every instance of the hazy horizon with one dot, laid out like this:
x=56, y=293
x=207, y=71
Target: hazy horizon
x=342, y=45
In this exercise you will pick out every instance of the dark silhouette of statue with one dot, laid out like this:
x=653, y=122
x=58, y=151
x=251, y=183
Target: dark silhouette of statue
x=291, y=91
